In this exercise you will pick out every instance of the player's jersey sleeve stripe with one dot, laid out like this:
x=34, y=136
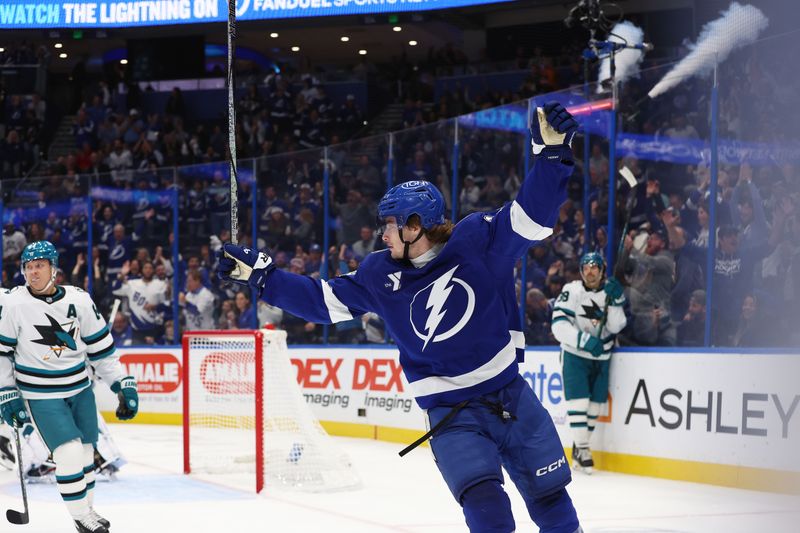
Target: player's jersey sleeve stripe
x=338, y=311
x=91, y=339
x=7, y=354
x=518, y=338
x=524, y=225
x=43, y=373
x=102, y=354
x=56, y=387
x=11, y=343
x=559, y=319
x=439, y=384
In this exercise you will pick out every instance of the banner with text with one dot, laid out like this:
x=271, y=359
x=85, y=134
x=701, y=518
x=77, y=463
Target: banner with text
x=728, y=409
x=18, y=14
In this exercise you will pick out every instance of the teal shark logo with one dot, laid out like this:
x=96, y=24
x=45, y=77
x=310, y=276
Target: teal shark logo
x=55, y=337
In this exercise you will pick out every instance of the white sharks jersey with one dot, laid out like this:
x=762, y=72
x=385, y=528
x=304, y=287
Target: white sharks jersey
x=141, y=293
x=199, y=310
x=578, y=309
x=45, y=342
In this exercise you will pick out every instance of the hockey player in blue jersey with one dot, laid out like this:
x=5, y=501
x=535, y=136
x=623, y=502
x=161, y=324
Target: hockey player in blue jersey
x=446, y=294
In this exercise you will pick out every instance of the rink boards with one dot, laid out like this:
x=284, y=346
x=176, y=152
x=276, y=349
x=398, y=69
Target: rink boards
x=729, y=419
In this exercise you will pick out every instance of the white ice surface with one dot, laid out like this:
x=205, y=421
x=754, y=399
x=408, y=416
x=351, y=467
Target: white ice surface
x=402, y=495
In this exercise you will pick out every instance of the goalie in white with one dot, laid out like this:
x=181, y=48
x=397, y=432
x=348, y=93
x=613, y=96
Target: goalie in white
x=48, y=334
x=37, y=463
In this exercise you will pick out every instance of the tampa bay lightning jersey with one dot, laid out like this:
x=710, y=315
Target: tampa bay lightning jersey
x=456, y=319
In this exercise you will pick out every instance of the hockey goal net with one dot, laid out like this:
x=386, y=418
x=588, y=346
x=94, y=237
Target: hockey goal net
x=243, y=412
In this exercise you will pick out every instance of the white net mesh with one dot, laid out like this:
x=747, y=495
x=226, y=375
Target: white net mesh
x=297, y=452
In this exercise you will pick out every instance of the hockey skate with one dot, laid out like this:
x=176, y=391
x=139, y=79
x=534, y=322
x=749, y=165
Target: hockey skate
x=105, y=522
x=90, y=524
x=582, y=459
x=7, y=457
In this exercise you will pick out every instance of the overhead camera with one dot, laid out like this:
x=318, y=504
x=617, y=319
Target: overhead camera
x=588, y=14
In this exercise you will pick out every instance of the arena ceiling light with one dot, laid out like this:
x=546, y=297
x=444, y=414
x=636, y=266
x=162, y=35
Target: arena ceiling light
x=362, y=52
x=58, y=45
x=123, y=61
x=344, y=38
x=397, y=28
x=273, y=35
x=412, y=43
x=295, y=48
x=2, y=49
x=62, y=55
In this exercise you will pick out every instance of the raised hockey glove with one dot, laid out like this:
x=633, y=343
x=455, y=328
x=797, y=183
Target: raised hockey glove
x=12, y=407
x=590, y=343
x=128, y=397
x=244, y=265
x=613, y=288
x=552, y=131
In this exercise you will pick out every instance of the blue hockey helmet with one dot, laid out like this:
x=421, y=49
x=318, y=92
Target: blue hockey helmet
x=417, y=197
x=40, y=250
x=593, y=258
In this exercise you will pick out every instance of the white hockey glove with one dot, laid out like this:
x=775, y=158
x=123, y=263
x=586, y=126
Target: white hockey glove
x=552, y=131
x=244, y=266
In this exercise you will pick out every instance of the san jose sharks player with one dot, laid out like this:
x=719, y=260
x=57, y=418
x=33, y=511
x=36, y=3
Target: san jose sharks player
x=446, y=294
x=48, y=333
x=587, y=338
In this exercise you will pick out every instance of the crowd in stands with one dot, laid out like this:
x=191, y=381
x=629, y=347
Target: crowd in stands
x=272, y=118
x=284, y=125
x=21, y=133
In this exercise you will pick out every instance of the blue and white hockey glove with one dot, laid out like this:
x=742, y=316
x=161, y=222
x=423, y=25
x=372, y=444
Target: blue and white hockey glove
x=589, y=343
x=552, y=131
x=244, y=265
x=128, y=397
x=12, y=407
x=613, y=288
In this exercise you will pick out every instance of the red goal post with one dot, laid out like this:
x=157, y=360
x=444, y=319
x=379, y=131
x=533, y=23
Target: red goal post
x=244, y=413
x=258, y=392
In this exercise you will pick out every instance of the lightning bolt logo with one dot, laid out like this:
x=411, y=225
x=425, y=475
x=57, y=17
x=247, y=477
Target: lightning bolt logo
x=435, y=296
x=438, y=296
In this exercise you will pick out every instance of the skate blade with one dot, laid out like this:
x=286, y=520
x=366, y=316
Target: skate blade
x=585, y=469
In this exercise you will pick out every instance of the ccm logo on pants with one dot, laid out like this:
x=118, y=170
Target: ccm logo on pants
x=555, y=465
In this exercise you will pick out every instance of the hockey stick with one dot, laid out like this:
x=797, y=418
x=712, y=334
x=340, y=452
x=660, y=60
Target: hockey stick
x=113, y=314
x=629, y=205
x=233, y=171
x=15, y=517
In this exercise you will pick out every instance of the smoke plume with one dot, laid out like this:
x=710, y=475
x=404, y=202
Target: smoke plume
x=627, y=61
x=737, y=27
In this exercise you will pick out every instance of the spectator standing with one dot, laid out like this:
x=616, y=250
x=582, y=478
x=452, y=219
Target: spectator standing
x=197, y=303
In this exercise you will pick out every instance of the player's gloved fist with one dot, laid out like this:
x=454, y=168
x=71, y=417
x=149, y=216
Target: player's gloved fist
x=590, y=343
x=12, y=407
x=613, y=288
x=243, y=265
x=128, y=397
x=552, y=131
